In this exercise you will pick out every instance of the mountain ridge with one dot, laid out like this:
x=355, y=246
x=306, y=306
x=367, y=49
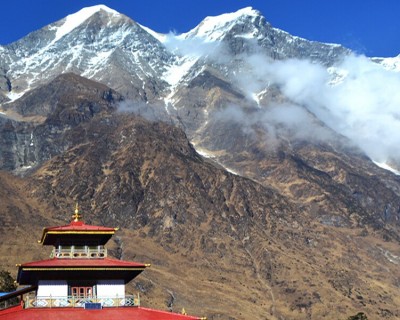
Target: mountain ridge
x=49, y=32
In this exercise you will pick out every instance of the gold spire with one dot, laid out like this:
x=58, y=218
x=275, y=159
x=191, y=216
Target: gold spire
x=76, y=216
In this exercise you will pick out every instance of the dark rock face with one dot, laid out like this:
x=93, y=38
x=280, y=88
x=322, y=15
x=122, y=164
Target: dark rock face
x=46, y=114
x=65, y=95
x=16, y=150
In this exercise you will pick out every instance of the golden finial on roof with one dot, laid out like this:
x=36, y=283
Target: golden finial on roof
x=76, y=216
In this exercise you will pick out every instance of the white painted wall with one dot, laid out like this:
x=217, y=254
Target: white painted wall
x=110, y=289
x=53, y=288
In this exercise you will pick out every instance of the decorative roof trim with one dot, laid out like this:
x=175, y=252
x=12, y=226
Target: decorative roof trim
x=76, y=216
x=83, y=269
x=45, y=233
x=80, y=231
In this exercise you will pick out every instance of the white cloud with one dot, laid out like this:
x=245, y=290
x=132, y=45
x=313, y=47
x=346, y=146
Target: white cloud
x=146, y=111
x=288, y=121
x=191, y=47
x=363, y=105
x=357, y=98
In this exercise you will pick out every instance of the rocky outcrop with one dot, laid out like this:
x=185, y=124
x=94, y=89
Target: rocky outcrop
x=36, y=125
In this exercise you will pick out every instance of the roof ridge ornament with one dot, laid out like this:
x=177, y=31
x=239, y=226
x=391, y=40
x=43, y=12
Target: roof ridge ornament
x=76, y=216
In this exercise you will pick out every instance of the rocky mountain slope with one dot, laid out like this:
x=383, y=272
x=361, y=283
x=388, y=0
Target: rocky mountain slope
x=33, y=130
x=221, y=245
x=242, y=212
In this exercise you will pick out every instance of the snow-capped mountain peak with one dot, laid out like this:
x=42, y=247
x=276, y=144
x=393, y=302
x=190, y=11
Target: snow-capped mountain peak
x=159, y=36
x=87, y=42
x=213, y=28
x=74, y=20
x=392, y=63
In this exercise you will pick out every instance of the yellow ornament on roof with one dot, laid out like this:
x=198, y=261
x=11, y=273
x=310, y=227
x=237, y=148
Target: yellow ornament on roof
x=76, y=216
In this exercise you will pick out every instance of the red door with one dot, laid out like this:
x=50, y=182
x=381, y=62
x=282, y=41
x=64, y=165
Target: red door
x=82, y=292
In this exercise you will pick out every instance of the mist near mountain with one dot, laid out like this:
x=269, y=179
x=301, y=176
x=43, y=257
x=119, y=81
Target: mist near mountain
x=362, y=105
x=356, y=97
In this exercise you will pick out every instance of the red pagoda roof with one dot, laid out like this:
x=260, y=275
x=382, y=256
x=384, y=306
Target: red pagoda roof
x=78, y=269
x=76, y=228
x=80, y=226
x=89, y=263
x=136, y=313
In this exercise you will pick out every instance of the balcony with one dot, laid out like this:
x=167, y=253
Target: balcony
x=81, y=302
x=79, y=253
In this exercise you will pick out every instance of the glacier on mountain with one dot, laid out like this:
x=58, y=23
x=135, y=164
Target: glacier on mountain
x=74, y=20
x=214, y=28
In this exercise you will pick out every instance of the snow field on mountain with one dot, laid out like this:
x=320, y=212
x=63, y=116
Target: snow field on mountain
x=74, y=20
x=214, y=28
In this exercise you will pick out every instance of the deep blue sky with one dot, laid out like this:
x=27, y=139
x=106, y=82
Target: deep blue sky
x=371, y=27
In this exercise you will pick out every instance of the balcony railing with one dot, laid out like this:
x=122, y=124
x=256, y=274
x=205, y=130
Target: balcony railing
x=77, y=302
x=86, y=253
x=9, y=303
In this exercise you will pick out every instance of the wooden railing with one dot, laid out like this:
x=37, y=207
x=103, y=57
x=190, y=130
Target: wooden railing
x=86, y=253
x=10, y=303
x=77, y=302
